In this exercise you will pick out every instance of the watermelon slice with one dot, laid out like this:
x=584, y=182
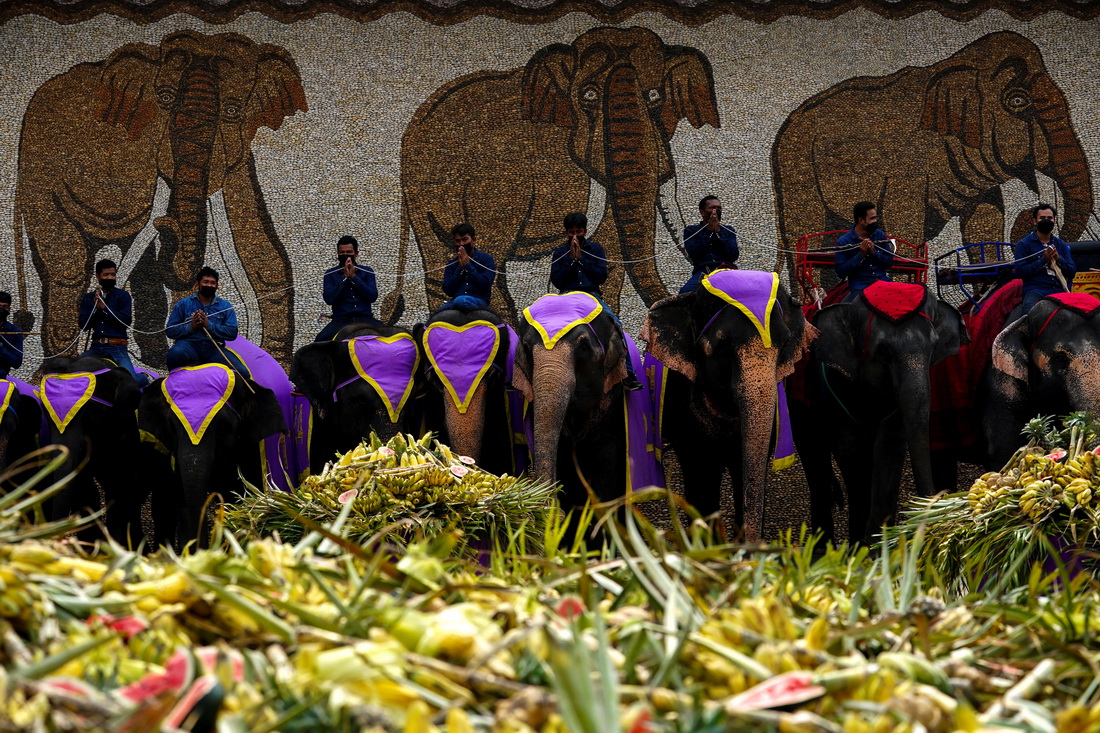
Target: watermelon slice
x=199, y=706
x=178, y=671
x=208, y=657
x=67, y=686
x=789, y=688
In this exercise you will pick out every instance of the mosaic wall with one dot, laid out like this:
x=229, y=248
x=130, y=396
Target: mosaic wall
x=252, y=145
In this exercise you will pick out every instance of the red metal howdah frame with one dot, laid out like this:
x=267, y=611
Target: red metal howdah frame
x=807, y=260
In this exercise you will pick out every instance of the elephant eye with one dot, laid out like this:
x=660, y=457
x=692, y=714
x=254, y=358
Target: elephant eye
x=653, y=96
x=232, y=110
x=1017, y=100
x=590, y=95
x=166, y=97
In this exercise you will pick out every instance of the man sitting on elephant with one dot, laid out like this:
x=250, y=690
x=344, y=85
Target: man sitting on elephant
x=11, y=339
x=468, y=278
x=1037, y=256
x=581, y=265
x=863, y=254
x=108, y=311
x=201, y=324
x=350, y=289
x=709, y=244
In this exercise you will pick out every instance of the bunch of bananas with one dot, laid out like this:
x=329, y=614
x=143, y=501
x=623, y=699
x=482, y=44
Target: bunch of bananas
x=989, y=489
x=1038, y=484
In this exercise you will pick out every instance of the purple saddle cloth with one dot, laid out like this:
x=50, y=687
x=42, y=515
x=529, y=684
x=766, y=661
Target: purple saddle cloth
x=387, y=363
x=283, y=463
x=751, y=292
x=62, y=395
x=461, y=356
x=197, y=394
x=553, y=316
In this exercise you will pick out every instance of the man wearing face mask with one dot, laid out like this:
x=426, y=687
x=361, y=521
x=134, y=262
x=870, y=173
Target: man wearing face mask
x=11, y=339
x=350, y=289
x=201, y=324
x=1037, y=256
x=710, y=244
x=108, y=312
x=468, y=278
x=863, y=254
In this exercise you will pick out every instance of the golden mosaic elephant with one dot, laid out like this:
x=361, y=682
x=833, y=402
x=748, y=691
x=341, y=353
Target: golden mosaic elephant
x=96, y=140
x=512, y=152
x=930, y=143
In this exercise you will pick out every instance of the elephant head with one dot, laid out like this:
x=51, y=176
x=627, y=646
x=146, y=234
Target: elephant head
x=733, y=375
x=1048, y=362
x=621, y=92
x=573, y=387
x=346, y=407
x=202, y=98
x=996, y=99
x=887, y=363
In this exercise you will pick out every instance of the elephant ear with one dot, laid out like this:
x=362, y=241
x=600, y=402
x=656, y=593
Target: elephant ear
x=1010, y=349
x=127, y=393
x=546, y=82
x=260, y=413
x=953, y=105
x=124, y=91
x=839, y=341
x=669, y=332
x=278, y=91
x=521, y=369
x=614, y=355
x=155, y=418
x=313, y=372
x=689, y=90
x=796, y=338
x=950, y=331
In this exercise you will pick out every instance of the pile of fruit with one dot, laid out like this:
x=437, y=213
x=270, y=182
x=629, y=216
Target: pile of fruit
x=655, y=632
x=1039, y=506
x=420, y=484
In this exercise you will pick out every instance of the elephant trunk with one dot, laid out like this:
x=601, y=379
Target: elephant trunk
x=552, y=381
x=633, y=151
x=193, y=129
x=913, y=390
x=194, y=464
x=1066, y=162
x=756, y=392
x=466, y=429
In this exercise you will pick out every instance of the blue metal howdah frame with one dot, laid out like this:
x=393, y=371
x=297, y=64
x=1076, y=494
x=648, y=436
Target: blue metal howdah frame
x=975, y=271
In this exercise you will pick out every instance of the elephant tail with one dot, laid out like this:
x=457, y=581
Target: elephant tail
x=393, y=305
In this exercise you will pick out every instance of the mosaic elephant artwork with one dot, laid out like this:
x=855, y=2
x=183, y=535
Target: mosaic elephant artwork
x=930, y=143
x=181, y=116
x=511, y=152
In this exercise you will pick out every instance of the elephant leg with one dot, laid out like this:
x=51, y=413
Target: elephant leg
x=151, y=310
x=124, y=493
x=265, y=260
x=905, y=208
x=506, y=304
x=945, y=469
x=757, y=396
x=984, y=222
x=889, y=455
x=850, y=448
x=701, y=471
x=63, y=261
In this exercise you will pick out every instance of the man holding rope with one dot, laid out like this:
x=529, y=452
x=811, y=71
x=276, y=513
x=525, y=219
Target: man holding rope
x=108, y=311
x=201, y=324
x=1039, y=257
x=349, y=288
x=709, y=244
x=863, y=254
x=468, y=278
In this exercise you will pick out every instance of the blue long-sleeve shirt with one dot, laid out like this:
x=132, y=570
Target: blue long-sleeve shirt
x=863, y=269
x=11, y=347
x=475, y=279
x=222, y=320
x=109, y=322
x=1032, y=267
x=708, y=249
x=351, y=297
x=587, y=273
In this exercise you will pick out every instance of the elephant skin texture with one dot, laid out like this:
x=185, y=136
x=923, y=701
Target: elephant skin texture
x=184, y=112
x=510, y=151
x=339, y=425
x=230, y=448
x=929, y=143
x=577, y=400
x=720, y=398
x=484, y=431
x=104, y=433
x=1044, y=363
x=19, y=428
x=867, y=399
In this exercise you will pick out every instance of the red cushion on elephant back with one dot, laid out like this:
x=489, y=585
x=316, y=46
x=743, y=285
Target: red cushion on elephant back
x=1083, y=303
x=894, y=300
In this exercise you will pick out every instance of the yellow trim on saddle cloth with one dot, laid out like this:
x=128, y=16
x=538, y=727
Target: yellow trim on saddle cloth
x=8, y=392
x=196, y=436
x=549, y=341
x=763, y=328
x=247, y=372
x=394, y=412
x=462, y=403
x=63, y=422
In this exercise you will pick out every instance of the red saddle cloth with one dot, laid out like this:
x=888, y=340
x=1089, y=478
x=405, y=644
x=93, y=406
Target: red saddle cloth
x=1083, y=303
x=894, y=301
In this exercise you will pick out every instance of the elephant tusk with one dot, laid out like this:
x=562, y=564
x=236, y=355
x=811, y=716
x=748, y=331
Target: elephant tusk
x=597, y=204
x=147, y=235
